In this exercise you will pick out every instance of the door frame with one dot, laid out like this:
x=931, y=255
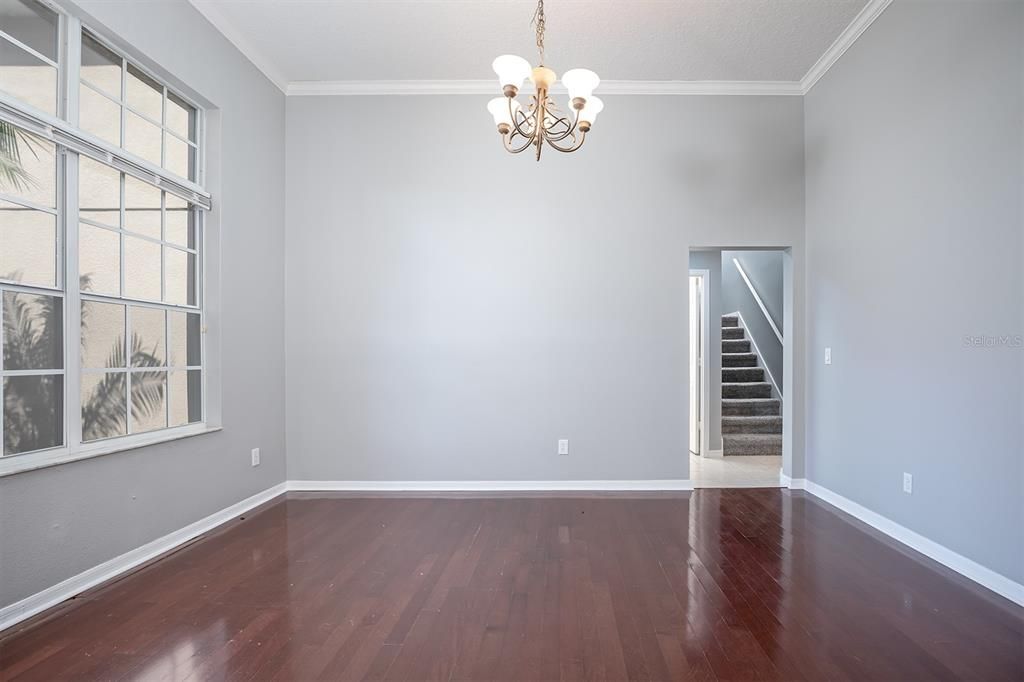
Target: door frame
x=705, y=339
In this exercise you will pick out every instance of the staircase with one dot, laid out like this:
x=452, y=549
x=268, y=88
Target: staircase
x=751, y=417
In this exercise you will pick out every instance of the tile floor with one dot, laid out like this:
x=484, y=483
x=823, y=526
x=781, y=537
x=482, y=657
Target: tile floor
x=735, y=471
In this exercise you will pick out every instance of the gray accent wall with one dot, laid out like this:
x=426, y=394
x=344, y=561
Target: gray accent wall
x=452, y=311
x=60, y=521
x=765, y=270
x=914, y=146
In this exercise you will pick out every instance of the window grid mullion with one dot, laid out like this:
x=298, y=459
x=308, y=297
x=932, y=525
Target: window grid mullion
x=68, y=224
x=68, y=265
x=163, y=237
x=129, y=426
x=112, y=370
x=130, y=109
x=136, y=235
x=34, y=372
x=121, y=106
x=108, y=298
x=25, y=48
x=167, y=370
x=11, y=285
x=25, y=203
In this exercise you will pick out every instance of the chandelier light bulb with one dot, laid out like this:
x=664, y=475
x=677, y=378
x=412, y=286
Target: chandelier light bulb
x=511, y=70
x=590, y=110
x=499, y=110
x=580, y=83
x=543, y=78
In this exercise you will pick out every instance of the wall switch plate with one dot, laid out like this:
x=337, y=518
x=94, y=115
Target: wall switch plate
x=563, y=446
x=908, y=483
x=255, y=457
x=828, y=355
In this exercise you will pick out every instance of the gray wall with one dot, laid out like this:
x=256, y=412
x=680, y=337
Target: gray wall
x=712, y=262
x=452, y=311
x=57, y=522
x=764, y=268
x=914, y=231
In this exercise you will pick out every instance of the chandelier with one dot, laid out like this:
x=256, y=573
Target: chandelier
x=542, y=121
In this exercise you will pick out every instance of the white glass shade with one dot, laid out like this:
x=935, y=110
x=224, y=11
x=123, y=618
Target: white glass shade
x=499, y=110
x=580, y=82
x=591, y=109
x=511, y=70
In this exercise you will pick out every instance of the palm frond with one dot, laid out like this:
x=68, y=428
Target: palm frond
x=103, y=414
x=12, y=171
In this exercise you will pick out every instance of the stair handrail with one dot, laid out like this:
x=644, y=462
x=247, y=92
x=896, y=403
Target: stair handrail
x=757, y=351
x=757, y=298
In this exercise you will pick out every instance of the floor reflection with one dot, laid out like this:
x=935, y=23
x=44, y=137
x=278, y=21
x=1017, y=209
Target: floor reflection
x=714, y=584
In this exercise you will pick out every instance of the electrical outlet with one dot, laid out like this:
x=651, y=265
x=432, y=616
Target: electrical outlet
x=255, y=457
x=828, y=355
x=908, y=483
x=563, y=446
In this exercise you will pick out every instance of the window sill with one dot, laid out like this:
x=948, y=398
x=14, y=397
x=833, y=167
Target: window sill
x=16, y=464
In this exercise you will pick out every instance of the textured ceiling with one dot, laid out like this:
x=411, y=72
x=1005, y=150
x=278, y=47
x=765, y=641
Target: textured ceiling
x=691, y=40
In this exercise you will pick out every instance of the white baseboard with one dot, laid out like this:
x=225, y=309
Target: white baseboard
x=51, y=596
x=968, y=568
x=791, y=483
x=654, y=485
x=715, y=454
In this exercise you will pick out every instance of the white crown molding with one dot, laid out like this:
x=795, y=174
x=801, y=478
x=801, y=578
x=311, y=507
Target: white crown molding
x=266, y=66
x=860, y=23
x=846, y=39
x=490, y=87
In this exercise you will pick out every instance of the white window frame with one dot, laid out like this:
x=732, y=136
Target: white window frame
x=71, y=143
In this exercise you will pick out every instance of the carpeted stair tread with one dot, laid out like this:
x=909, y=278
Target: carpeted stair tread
x=746, y=390
x=742, y=374
x=752, y=424
x=750, y=407
x=751, y=417
x=735, y=346
x=752, y=444
x=739, y=360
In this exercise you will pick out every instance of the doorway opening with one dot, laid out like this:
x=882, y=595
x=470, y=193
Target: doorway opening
x=736, y=366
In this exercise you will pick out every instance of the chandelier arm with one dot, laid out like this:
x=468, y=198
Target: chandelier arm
x=515, y=123
x=577, y=143
x=556, y=123
x=570, y=131
x=527, y=121
x=507, y=142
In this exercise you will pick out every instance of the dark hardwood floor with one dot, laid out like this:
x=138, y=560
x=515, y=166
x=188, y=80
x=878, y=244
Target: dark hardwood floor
x=714, y=585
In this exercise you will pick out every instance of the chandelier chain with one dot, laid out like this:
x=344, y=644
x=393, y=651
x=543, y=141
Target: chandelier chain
x=538, y=23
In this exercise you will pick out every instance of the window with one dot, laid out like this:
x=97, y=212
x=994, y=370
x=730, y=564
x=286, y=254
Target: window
x=101, y=289
x=29, y=35
x=121, y=104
